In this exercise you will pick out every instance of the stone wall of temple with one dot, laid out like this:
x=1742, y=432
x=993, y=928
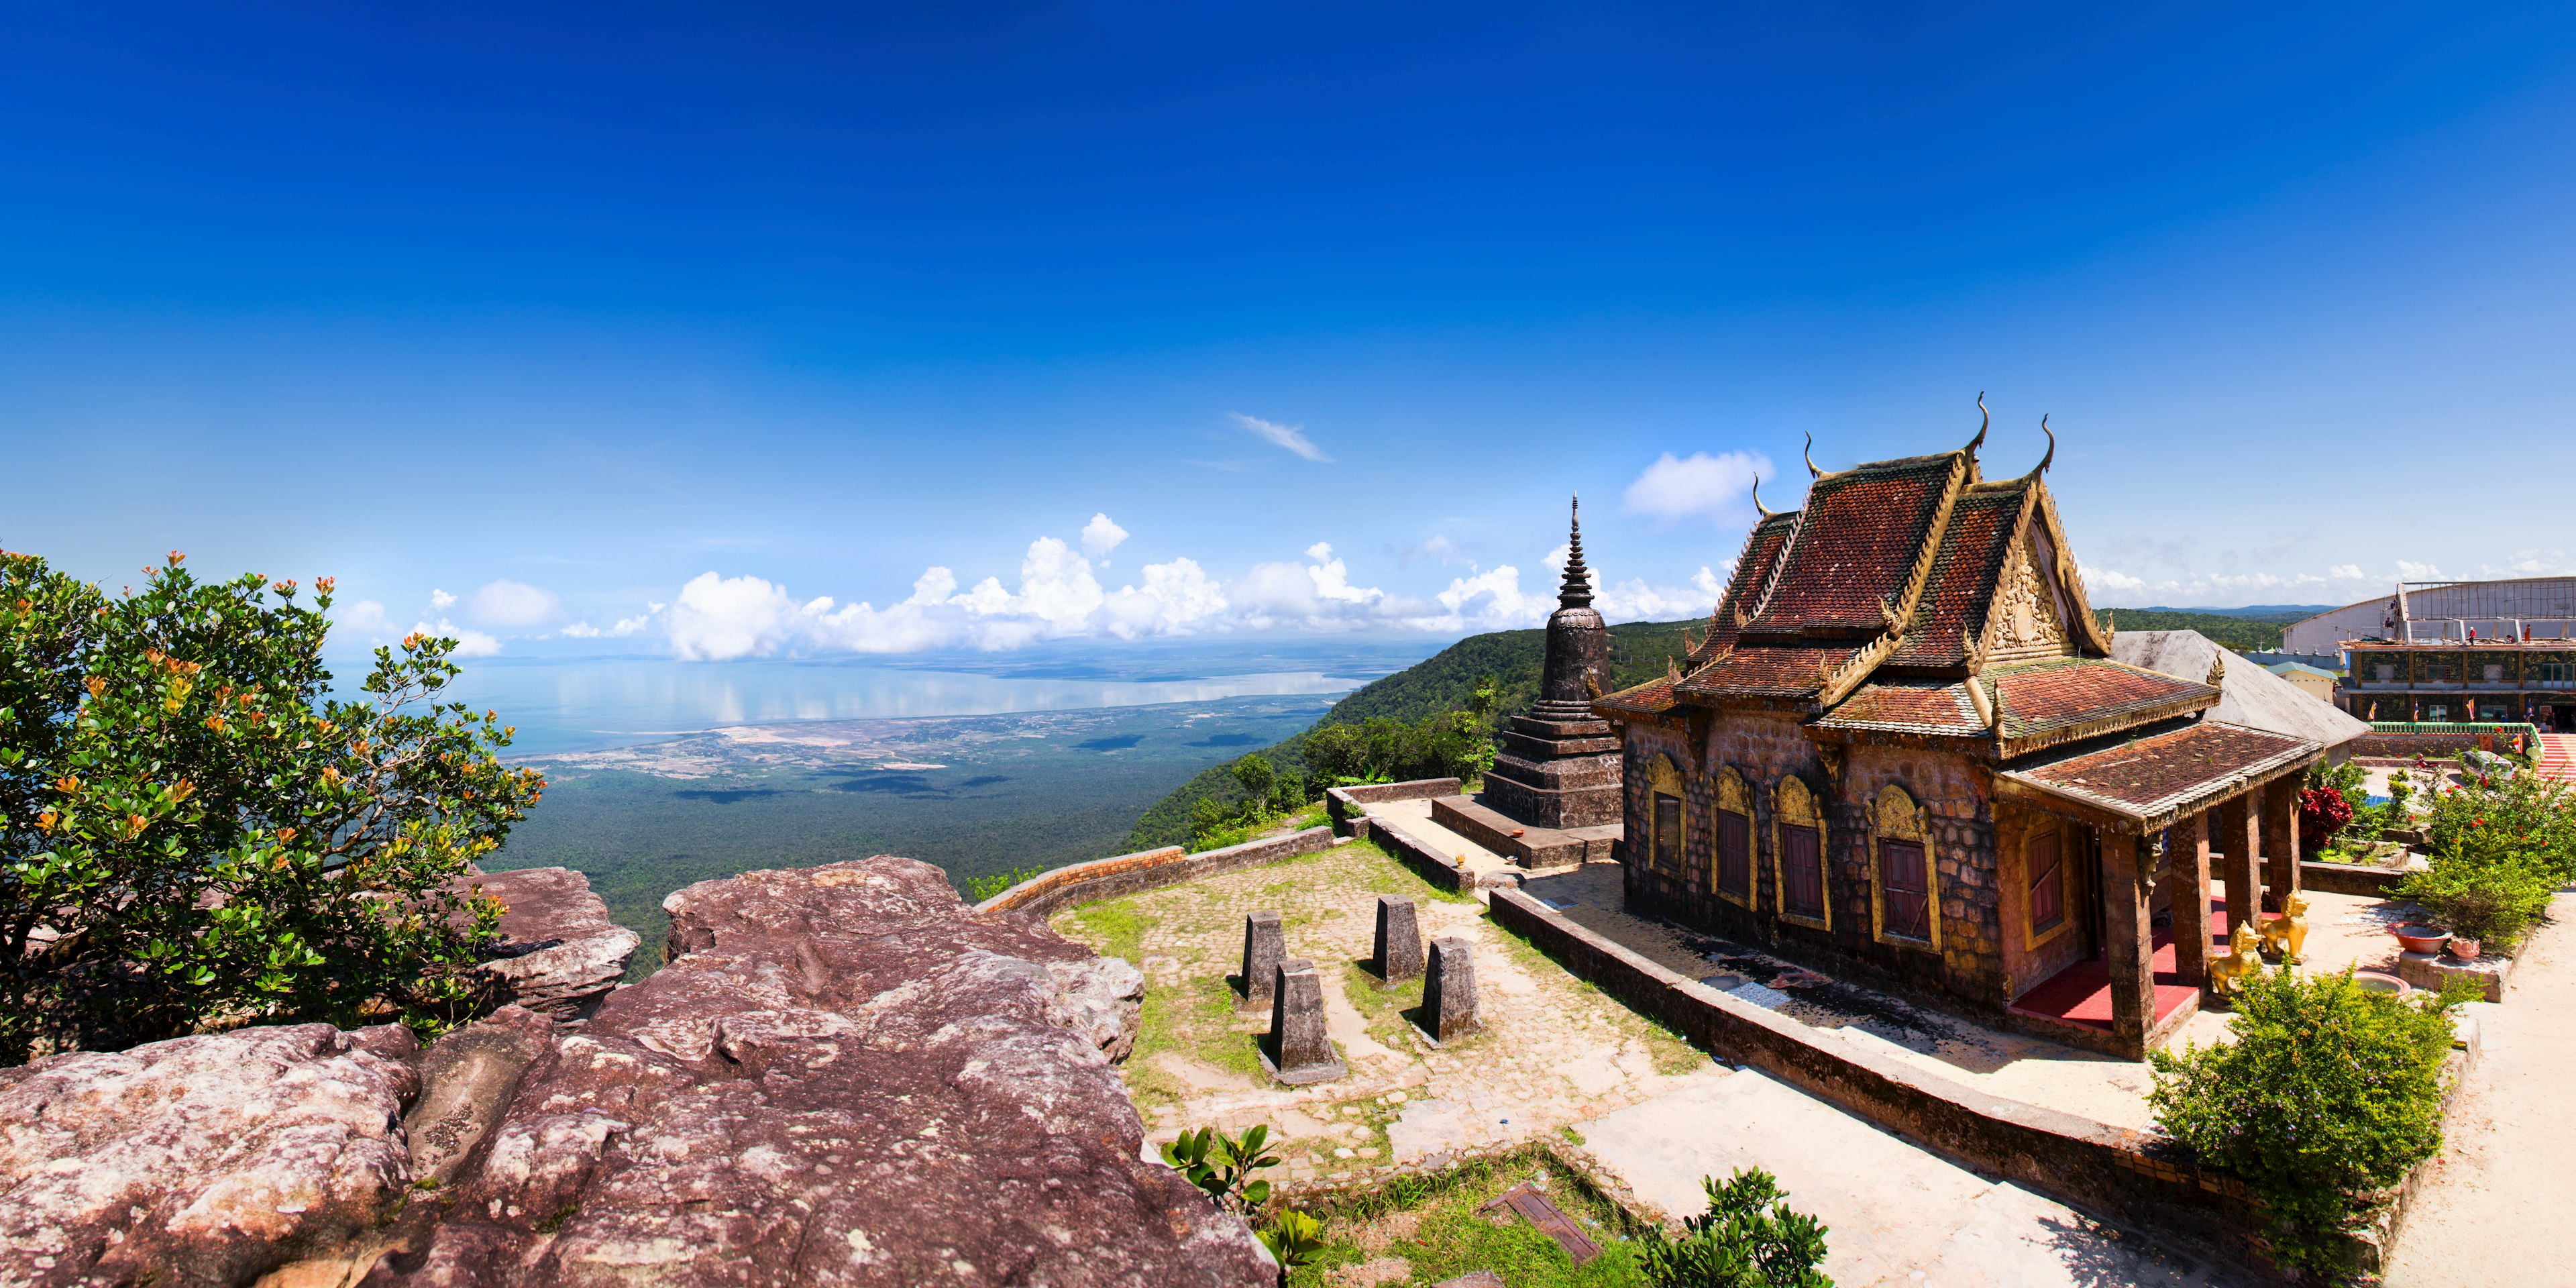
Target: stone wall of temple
x=1974, y=898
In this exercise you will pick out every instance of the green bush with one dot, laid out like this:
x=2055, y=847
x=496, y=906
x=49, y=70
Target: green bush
x=2523, y=816
x=1748, y=1238
x=194, y=835
x=2495, y=901
x=979, y=889
x=2328, y=1095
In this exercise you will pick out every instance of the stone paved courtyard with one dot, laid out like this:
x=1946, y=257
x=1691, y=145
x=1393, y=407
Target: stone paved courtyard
x=1554, y=1051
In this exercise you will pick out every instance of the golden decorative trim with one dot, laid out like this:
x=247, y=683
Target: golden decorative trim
x=1794, y=804
x=1894, y=815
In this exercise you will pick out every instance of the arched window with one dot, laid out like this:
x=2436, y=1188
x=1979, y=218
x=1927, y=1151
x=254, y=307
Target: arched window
x=1798, y=854
x=1664, y=814
x=1902, y=867
x=1732, y=868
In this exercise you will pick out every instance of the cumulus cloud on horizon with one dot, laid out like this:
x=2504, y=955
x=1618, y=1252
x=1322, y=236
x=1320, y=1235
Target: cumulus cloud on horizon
x=1060, y=595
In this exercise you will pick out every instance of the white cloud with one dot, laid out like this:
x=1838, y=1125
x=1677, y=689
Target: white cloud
x=1717, y=488
x=2347, y=572
x=581, y=631
x=369, y=622
x=440, y=601
x=504, y=604
x=1289, y=437
x=1100, y=536
x=2408, y=570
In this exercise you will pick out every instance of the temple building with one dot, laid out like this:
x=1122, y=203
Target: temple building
x=1552, y=796
x=1906, y=754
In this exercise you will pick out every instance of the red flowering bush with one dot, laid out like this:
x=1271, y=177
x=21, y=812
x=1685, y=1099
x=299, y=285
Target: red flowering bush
x=2323, y=812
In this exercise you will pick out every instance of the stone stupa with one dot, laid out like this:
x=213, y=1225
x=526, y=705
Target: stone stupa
x=1552, y=796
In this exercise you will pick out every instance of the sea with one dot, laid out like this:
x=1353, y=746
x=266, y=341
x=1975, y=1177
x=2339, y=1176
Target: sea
x=589, y=702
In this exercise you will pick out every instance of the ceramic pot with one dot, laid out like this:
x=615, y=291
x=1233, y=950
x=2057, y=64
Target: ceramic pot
x=2372, y=981
x=2465, y=950
x=2422, y=939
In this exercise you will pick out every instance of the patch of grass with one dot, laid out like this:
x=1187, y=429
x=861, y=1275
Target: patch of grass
x=1113, y=928
x=1436, y=1225
x=1383, y=1006
x=1572, y=1137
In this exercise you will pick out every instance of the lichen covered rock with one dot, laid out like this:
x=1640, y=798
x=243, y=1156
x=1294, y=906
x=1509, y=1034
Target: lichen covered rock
x=840, y=1078
x=200, y=1160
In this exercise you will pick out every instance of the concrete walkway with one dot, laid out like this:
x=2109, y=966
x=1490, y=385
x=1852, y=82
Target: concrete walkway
x=2500, y=1207
x=1896, y=1214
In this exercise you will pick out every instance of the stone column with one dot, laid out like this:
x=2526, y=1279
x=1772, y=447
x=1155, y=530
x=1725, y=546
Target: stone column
x=2240, y=863
x=2127, y=936
x=1299, y=1051
x=1449, y=990
x=2187, y=888
x=1264, y=947
x=2281, y=837
x=1398, y=954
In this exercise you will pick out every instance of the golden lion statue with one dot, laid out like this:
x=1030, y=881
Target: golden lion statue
x=2287, y=934
x=2230, y=972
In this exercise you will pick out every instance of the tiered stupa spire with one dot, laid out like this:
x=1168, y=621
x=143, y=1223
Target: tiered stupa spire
x=1576, y=592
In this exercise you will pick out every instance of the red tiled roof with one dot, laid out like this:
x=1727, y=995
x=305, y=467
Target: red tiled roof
x=1752, y=571
x=1962, y=585
x=2168, y=773
x=1651, y=698
x=1766, y=672
x=1859, y=538
x=2062, y=694
x=1902, y=707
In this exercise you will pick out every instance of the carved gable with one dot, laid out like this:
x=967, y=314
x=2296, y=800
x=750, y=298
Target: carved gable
x=2024, y=622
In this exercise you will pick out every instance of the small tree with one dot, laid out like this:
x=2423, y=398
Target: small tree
x=194, y=834
x=1748, y=1238
x=2329, y=1095
x=1256, y=774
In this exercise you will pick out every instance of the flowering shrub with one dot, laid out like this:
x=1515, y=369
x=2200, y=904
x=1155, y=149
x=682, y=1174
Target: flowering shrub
x=2323, y=812
x=194, y=834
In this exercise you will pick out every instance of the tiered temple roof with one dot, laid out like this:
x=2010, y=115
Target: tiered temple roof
x=1915, y=599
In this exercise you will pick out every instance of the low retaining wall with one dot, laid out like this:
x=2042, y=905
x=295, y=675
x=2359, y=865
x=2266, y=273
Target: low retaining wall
x=2431, y=746
x=1423, y=857
x=2369, y=881
x=1343, y=803
x=1109, y=878
x=2129, y=1175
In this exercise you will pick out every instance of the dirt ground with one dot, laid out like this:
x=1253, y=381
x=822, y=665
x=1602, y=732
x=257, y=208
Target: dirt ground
x=2500, y=1204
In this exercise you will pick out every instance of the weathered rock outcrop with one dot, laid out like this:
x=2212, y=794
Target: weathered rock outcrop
x=200, y=1160
x=559, y=953
x=840, y=1078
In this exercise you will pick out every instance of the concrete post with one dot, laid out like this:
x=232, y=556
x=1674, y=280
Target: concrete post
x=1398, y=952
x=2281, y=838
x=2187, y=888
x=1299, y=1051
x=2128, y=937
x=2241, y=864
x=1449, y=990
x=1264, y=947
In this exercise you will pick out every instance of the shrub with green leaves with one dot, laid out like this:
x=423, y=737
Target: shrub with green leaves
x=1222, y=1165
x=2328, y=1095
x=195, y=835
x=1748, y=1238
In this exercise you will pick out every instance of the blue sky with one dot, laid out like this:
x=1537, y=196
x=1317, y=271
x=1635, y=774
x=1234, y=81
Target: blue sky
x=529, y=319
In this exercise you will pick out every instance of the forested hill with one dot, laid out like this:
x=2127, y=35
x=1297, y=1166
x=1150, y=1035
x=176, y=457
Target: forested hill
x=1442, y=682
x=2249, y=631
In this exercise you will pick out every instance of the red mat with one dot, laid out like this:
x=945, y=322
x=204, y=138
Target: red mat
x=2081, y=993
